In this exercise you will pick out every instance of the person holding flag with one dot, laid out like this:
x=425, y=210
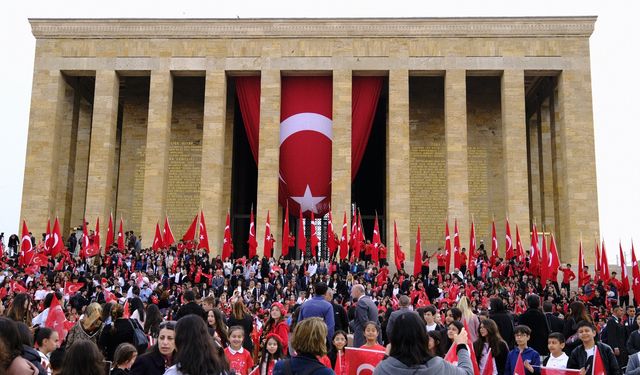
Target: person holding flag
x=522, y=355
x=409, y=353
x=589, y=356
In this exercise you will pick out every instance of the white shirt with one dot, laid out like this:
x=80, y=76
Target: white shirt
x=559, y=362
x=432, y=327
x=591, y=351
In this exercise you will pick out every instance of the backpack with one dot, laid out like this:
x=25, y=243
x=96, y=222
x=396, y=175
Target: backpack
x=140, y=340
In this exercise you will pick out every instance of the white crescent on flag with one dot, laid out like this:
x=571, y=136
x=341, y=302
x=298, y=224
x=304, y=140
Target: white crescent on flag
x=305, y=121
x=365, y=367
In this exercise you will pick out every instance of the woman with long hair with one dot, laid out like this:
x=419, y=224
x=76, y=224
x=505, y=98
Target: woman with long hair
x=241, y=317
x=409, y=351
x=577, y=313
x=489, y=338
x=152, y=320
x=217, y=328
x=276, y=324
x=271, y=353
x=468, y=317
x=137, y=310
x=196, y=352
x=11, y=360
x=124, y=357
x=88, y=327
x=503, y=319
x=121, y=330
x=83, y=358
x=161, y=355
x=20, y=309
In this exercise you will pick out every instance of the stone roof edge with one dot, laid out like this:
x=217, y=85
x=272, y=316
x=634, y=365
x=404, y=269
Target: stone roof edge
x=474, y=27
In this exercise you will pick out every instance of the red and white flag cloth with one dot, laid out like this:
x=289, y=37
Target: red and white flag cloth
x=376, y=241
x=417, y=257
x=252, y=241
x=268, y=241
x=447, y=246
x=582, y=279
x=557, y=371
x=635, y=274
x=56, y=319
x=519, y=368
x=604, y=265
x=508, y=242
x=84, y=247
x=284, y=245
x=26, y=247
x=110, y=234
x=597, y=267
x=534, y=253
x=96, y=236
x=598, y=364
x=494, y=244
x=72, y=288
x=306, y=129
x=452, y=356
x=457, y=262
x=519, y=247
x=344, y=242
x=331, y=239
x=157, y=239
x=489, y=366
x=57, y=244
x=301, y=239
x=554, y=260
x=167, y=233
x=203, y=238
x=361, y=361
x=472, y=249
x=16, y=287
x=190, y=234
x=121, y=246
x=544, y=262
x=398, y=254
x=624, y=274
x=47, y=238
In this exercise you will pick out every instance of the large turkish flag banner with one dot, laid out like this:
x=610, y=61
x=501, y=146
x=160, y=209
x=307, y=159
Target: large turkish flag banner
x=305, y=144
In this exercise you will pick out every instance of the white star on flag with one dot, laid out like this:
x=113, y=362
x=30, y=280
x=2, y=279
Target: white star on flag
x=308, y=202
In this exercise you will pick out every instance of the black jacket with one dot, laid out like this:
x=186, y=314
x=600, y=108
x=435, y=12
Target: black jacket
x=115, y=334
x=340, y=318
x=504, y=321
x=617, y=338
x=501, y=359
x=578, y=359
x=535, y=319
x=150, y=363
x=556, y=324
x=31, y=355
x=633, y=343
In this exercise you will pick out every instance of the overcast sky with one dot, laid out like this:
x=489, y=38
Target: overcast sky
x=614, y=66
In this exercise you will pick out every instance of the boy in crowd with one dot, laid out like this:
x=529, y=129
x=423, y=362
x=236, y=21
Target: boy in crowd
x=581, y=358
x=557, y=357
x=530, y=357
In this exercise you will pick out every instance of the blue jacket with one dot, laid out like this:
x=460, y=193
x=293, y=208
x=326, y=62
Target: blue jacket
x=301, y=364
x=527, y=354
x=321, y=308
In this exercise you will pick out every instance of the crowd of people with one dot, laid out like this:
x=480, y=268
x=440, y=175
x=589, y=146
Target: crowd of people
x=180, y=311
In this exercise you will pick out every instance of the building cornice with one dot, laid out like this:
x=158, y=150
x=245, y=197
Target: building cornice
x=493, y=27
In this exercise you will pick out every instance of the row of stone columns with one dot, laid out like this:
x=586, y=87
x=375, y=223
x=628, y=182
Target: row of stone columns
x=46, y=118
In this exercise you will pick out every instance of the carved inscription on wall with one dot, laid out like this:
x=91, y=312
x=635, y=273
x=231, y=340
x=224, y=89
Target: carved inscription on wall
x=183, y=189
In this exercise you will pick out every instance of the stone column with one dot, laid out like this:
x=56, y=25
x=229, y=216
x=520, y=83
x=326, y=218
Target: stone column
x=156, y=164
x=455, y=129
x=268, y=154
x=341, y=147
x=67, y=157
x=576, y=167
x=213, y=157
x=547, y=197
x=514, y=145
x=398, y=182
x=83, y=140
x=103, y=145
x=40, y=177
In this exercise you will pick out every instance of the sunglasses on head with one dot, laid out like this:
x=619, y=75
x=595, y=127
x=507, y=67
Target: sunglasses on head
x=171, y=324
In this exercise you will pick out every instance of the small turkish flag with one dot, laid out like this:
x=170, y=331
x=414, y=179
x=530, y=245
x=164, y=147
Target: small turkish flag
x=488, y=367
x=167, y=233
x=362, y=361
x=121, y=236
x=519, y=369
x=157, y=240
x=344, y=243
x=227, y=246
x=268, y=240
x=72, y=288
x=190, y=234
x=26, y=247
x=85, y=240
x=598, y=365
x=253, y=243
x=40, y=260
x=47, y=238
x=17, y=287
x=109, y=241
x=56, y=237
x=56, y=319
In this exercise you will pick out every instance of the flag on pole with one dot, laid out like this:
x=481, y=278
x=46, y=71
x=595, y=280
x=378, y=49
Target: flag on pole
x=635, y=273
x=519, y=247
x=519, y=369
x=494, y=243
x=398, y=254
x=157, y=239
x=110, y=233
x=447, y=246
x=508, y=248
x=582, y=279
x=227, y=245
x=534, y=253
x=72, y=288
x=253, y=242
x=268, y=242
x=302, y=239
x=47, y=238
x=96, y=236
x=56, y=319
x=377, y=242
x=167, y=233
x=284, y=247
x=472, y=249
x=598, y=364
x=604, y=265
x=457, y=262
x=331, y=239
x=417, y=259
x=190, y=234
x=57, y=246
x=554, y=260
x=121, y=246
x=598, y=264
x=84, y=248
x=344, y=245
x=544, y=269
x=624, y=290
x=26, y=247
x=314, y=236
x=488, y=367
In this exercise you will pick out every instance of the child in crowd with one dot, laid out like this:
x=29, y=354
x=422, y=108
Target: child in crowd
x=123, y=359
x=371, y=335
x=239, y=358
x=530, y=357
x=272, y=352
x=581, y=358
x=557, y=357
x=46, y=341
x=336, y=353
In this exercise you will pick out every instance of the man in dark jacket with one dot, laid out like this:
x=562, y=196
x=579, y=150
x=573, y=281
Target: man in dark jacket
x=555, y=324
x=617, y=336
x=191, y=307
x=339, y=313
x=582, y=356
x=537, y=322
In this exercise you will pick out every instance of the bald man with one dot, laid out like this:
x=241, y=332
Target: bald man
x=366, y=311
